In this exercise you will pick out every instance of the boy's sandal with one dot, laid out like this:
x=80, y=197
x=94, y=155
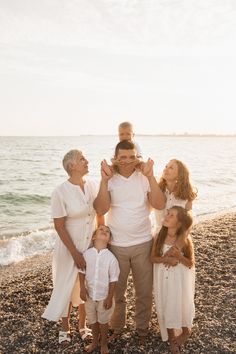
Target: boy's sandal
x=64, y=337
x=85, y=332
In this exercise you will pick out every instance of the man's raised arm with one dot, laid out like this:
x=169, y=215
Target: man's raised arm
x=103, y=200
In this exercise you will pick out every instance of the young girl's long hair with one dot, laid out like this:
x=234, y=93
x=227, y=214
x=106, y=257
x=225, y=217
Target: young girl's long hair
x=185, y=219
x=183, y=189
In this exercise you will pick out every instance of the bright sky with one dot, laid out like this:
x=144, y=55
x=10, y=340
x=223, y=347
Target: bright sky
x=74, y=67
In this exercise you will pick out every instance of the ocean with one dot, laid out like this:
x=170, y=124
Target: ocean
x=31, y=168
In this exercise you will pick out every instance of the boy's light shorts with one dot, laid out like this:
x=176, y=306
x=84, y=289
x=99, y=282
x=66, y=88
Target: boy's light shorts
x=96, y=312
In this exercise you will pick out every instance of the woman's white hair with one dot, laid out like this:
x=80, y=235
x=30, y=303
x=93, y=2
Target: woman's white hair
x=70, y=158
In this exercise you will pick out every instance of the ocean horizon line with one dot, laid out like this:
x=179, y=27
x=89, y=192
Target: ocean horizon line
x=175, y=135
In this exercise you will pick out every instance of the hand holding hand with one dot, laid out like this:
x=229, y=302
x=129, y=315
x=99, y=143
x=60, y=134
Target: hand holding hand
x=79, y=260
x=174, y=251
x=118, y=162
x=83, y=293
x=170, y=261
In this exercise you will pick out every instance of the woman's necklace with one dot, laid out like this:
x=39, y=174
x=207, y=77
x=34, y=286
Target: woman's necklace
x=171, y=239
x=171, y=236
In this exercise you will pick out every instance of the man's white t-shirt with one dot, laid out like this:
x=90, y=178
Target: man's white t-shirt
x=128, y=216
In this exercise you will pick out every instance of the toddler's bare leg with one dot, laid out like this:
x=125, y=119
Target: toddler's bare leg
x=95, y=333
x=104, y=335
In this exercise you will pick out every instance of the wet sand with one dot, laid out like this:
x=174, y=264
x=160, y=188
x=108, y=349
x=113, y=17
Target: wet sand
x=26, y=289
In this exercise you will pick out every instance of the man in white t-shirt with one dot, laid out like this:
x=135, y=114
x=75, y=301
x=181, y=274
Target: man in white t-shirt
x=126, y=195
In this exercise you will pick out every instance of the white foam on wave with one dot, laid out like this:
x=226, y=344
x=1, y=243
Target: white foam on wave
x=18, y=248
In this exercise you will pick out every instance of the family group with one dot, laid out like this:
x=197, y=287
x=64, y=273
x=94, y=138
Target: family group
x=105, y=232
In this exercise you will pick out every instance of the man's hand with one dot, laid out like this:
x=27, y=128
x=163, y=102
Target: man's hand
x=106, y=170
x=147, y=168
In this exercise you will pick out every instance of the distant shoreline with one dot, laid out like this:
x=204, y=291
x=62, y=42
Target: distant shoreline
x=173, y=135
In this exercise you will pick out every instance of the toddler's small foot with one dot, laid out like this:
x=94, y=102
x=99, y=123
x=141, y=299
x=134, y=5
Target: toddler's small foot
x=91, y=347
x=104, y=349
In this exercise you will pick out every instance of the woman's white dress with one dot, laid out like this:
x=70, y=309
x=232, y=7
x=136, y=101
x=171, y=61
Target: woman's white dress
x=170, y=202
x=174, y=296
x=68, y=200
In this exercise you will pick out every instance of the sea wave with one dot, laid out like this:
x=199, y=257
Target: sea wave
x=18, y=248
x=17, y=198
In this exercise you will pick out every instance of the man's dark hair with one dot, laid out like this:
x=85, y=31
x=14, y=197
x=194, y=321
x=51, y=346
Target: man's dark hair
x=124, y=145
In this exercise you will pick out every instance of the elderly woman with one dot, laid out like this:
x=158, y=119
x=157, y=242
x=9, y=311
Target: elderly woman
x=74, y=220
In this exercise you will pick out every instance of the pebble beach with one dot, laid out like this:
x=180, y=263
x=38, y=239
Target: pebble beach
x=26, y=288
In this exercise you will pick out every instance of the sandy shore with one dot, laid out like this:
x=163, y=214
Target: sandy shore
x=26, y=288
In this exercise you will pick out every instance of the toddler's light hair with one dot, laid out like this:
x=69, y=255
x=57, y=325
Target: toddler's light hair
x=125, y=125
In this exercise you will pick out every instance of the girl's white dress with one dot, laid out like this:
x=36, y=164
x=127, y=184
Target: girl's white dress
x=68, y=200
x=170, y=202
x=174, y=296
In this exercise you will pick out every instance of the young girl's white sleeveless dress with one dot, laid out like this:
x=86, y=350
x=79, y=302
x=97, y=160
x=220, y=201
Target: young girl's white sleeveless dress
x=171, y=201
x=174, y=296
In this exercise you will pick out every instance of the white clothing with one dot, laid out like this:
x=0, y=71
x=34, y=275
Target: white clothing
x=102, y=268
x=138, y=149
x=68, y=200
x=128, y=216
x=170, y=202
x=174, y=296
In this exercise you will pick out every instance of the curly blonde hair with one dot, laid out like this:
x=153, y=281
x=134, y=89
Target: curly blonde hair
x=184, y=188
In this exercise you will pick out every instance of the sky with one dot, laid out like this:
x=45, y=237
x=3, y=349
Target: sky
x=73, y=67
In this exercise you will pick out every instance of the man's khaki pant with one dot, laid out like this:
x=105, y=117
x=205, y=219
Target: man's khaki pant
x=137, y=259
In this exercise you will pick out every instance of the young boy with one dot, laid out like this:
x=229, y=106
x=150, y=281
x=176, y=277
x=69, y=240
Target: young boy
x=97, y=285
x=125, y=130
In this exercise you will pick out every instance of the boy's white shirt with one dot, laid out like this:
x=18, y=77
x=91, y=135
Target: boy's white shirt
x=102, y=268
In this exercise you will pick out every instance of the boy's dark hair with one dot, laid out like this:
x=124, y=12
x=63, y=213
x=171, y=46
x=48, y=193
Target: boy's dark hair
x=124, y=145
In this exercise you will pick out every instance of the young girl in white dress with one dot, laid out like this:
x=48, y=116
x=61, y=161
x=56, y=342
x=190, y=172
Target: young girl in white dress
x=174, y=277
x=177, y=187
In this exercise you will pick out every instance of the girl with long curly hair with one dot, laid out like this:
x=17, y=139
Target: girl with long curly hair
x=174, y=277
x=177, y=187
